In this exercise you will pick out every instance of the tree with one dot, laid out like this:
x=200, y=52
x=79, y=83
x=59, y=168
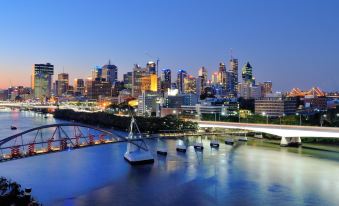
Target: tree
x=11, y=194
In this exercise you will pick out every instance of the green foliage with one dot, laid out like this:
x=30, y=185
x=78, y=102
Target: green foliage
x=11, y=194
x=146, y=124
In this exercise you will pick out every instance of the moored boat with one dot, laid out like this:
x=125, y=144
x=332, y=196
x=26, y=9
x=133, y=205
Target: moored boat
x=242, y=139
x=229, y=141
x=162, y=151
x=198, y=145
x=181, y=147
x=214, y=143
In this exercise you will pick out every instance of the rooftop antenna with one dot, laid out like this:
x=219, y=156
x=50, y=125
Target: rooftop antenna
x=109, y=62
x=156, y=61
x=231, y=53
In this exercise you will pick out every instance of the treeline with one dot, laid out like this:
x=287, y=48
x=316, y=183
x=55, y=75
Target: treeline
x=146, y=124
x=12, y=194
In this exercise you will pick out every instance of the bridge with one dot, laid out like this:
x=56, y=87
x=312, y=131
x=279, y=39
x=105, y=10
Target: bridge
x=289, y=134
x=60, y=137
x=24, y=105
x=39, y=106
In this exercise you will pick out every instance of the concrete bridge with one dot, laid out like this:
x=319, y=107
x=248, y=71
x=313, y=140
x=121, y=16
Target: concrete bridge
x=37, y=106
x=23, y=105
x=290, y=134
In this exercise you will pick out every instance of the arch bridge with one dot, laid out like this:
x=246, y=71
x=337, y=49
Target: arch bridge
x=59, y=137
x=290, y=134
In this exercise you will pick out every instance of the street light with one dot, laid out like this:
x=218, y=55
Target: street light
x=299, y=118
x=264, y=114
x=215, y=116
x=283, y=115
x=322, y=119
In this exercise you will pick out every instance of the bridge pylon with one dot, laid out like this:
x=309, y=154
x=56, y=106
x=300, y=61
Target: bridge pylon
x=290, y=141
x=137, y=151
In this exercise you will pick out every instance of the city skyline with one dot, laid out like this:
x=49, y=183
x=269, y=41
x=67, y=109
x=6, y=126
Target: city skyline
x=290, y=50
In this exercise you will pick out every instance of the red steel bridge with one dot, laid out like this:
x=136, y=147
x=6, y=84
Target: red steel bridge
x=58, y=137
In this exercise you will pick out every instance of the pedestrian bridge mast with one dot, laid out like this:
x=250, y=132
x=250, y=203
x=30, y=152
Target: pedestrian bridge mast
x=289, y=134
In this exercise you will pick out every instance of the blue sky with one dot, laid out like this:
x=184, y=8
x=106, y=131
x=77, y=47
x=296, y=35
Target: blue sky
x=294, y=43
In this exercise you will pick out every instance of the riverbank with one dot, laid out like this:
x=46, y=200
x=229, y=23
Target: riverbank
x=146, y=124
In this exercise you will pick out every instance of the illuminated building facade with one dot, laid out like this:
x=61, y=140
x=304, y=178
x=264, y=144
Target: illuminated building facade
x=181, y=76
x=42, y=80
x=247, y=74
x=79, y=87
x=110, y=73
x=62, y=84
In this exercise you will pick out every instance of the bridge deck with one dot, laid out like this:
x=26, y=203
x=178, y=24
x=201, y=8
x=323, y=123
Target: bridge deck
x=279, y=130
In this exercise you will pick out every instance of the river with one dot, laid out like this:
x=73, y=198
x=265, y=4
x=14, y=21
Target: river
x=245, y=174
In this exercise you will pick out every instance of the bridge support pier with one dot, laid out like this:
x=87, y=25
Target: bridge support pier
x=290, y=141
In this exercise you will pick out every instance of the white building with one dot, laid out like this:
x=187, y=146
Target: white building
x=249, y=91
x=148, y=102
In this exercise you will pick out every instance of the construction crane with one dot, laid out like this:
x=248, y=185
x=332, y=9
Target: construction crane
x=156, y=61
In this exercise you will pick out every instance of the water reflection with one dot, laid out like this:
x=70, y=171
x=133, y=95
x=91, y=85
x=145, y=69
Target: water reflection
x=242, y=174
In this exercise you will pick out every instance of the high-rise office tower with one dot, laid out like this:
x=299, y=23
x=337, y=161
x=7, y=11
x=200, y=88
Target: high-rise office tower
x=149, y=82
x=110, y=73
x=214, y=78
x=151, y=67
x=201, y=80
x=96, y=72
x=190, y=84
x=203, y=74
x=182, y=74
x=128, y=80
x=79, y=87
x=137, y=75
x=98, y=88
x=222, y=74
x=62, y=84
x=234, y=76
x=166, y=80
x=247, y=74
x=266, y=88
x=42, y=80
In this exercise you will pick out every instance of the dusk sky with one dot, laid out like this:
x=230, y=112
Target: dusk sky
x=293, y=43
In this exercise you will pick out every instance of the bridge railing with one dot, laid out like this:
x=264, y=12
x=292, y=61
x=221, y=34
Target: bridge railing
x=54, y=138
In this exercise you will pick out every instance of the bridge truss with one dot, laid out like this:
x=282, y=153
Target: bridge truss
x=56, y=138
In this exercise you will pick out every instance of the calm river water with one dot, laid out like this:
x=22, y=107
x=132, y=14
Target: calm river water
x=245, y=174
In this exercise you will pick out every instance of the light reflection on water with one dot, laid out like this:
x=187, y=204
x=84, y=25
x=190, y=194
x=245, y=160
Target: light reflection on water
x=239, y=175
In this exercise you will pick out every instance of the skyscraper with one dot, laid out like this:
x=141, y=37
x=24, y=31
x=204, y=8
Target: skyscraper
x=149, y=82
x=97, y=88
x=166, y=80
x=214, y=78
x=137, y=74
x=110, y=72
x=182, y=74
x=151, y=67
x=62, y=84
x=79, y=87
x=128, y=80
x=96, y=72
x=234, y=76
x=222, y=74
x=201, y=80
x=247, y=74
x=190, y=84
x=266, y=88
x=42, y=80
